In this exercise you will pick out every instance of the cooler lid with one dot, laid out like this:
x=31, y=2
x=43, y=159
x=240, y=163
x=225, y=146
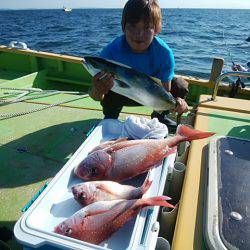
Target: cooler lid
x=228, y=199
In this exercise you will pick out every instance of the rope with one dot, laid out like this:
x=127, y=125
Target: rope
x=44, y=93
x=21, y=89
x=20, y=99
x=11, y=115
x=41, y=90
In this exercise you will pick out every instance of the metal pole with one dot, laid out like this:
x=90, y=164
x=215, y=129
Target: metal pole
x=222, y=76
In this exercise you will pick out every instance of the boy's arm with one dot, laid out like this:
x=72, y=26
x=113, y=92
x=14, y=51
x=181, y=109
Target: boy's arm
x=167, y=86
x=166, y=70
x=102, y=82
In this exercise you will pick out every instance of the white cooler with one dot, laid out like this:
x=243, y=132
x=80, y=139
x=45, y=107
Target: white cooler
x=34, y=230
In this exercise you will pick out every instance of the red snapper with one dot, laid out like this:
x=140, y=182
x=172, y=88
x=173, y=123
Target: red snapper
x=98, y=221
x=93, y=191
x=122, y=160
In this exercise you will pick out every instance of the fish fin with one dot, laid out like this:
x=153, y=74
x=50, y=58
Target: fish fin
x=120, y=140
x=105, y=189
x=122, y=84
x=158, y=201
x=101, y=146
x=190, y=134
x=118, y=63
x=146, y=185
x=107, y=144
x=114, y=147
x=96, y=212
x=157, y=81
x=117, y=141
x=117, y=146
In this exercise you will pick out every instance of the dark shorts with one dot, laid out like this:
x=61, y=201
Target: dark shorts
x=113, y=103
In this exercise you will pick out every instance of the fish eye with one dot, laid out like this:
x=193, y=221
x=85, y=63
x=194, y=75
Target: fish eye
x=93, y=170
x=68, y=231
x=82, y=195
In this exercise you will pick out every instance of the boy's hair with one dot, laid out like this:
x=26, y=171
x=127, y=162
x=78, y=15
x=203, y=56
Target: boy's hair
x=147, y=10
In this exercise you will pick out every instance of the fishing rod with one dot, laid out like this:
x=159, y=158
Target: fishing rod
x=238, y=82
x=228, y=51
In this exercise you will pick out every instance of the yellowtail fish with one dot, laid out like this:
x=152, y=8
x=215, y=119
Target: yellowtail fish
x=133, y=84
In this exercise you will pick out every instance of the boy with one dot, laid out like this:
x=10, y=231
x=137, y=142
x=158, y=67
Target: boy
x=141, y=49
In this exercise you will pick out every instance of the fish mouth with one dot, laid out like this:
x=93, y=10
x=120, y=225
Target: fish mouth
x=79, y=195
x=80, y=172
x=57, y=229
x=75, y=192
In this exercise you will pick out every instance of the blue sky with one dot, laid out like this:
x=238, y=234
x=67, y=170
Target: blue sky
x=24, y=4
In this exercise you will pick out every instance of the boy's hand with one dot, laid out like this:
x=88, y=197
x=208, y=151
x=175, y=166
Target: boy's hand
x=181, y=107
x=102, y=82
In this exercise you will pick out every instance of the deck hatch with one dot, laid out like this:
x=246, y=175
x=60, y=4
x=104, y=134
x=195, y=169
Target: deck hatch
x=228, y=200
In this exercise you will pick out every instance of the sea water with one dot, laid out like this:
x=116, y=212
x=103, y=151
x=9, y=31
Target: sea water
x=195, y=35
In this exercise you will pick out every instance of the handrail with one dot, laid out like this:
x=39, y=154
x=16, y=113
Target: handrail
x=18, y=45
x=222, y=76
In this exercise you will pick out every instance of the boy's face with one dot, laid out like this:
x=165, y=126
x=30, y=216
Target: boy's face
x=139, y=35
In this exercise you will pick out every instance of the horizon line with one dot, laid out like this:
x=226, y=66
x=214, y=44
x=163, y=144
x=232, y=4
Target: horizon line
x=78, y=8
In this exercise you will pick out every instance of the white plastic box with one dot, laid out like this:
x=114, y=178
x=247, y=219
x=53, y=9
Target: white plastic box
x=34, y=230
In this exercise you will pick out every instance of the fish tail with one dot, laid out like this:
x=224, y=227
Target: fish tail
x=146, y=185
x=158, y=201
x=190, y=134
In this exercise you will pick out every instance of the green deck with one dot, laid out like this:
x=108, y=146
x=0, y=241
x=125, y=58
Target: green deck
x=229, y=125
